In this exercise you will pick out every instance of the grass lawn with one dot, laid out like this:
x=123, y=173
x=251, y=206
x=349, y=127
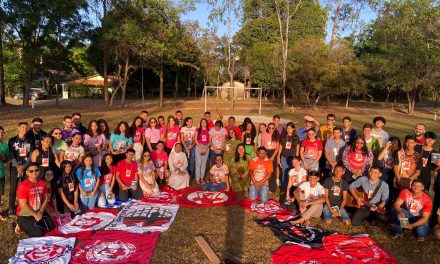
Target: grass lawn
x=230, y=231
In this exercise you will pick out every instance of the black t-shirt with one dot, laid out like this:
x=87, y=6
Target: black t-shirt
x=335, y=190
x=427, y=166
x=289, y=141
x=69, y=184
x=34, y=138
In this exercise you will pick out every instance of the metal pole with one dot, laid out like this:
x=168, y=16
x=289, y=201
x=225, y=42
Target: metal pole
x=259, y=110
x=204, y=94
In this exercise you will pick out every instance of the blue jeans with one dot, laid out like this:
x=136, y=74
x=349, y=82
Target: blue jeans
x=310, y=161
x=327, y=215
x=88, y=203
x=191, y=159
x=263, y=193
x=201, y=161
x=286, y=165
x=105, y=189
x=421, y=231
x=210, y=186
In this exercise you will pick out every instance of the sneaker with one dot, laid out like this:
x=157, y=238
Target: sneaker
x=11, y=212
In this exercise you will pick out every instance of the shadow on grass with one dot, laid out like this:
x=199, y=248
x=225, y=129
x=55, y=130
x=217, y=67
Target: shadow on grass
x=234, y=234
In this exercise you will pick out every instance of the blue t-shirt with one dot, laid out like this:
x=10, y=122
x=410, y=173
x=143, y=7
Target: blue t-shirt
x=87, y=180
x=120, y=141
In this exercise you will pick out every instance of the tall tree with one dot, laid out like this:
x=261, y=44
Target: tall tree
x=2, y=61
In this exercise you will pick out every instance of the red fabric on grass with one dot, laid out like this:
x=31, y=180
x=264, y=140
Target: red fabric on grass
x=303, y=254
x=268, y=208
x=167, y=196
x=195, y=197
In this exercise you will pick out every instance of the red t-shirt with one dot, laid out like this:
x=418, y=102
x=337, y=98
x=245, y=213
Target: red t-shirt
x=159, y=159
x=311, y=149
x=137, y=137
x=171, y=136
x=261, y=168
x=33, y=193
x=107, y=179
x=416, y=206
x=211, y=123
x=357, y=159
x=236, y=129
x=126, y=171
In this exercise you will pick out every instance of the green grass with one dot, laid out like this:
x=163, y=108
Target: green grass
x=230, y=231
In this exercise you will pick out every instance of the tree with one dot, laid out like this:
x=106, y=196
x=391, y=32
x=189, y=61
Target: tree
x=33, y=22
x=406, y=35
x=2, y=61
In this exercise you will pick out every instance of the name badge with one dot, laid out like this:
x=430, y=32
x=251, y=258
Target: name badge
x=269, y=144
x=203, y=137
x=248, y=141
x=88, y=182
x=370, y=193
x=228, y=147
x=22, y=152
x=335, y=151
x=336, y=191
x=347, y=138
x=424, y=162
x=288, y=145
x=128, y=173
x=45, y=162
x=406, y=165
x=71, y=187
x=358, y=157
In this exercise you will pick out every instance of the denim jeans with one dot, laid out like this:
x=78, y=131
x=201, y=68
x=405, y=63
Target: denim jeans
x=327, y=215
x=286, y=165
x=210, y=186
x=421, y=231
x=310, y=161
x=191, y=159
x=105, y=189
x=88, y=203
x=263, y=193
x=201, y=161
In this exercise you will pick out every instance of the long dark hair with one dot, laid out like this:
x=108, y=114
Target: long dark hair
x=63, y=169
x=107, y=128
x=237, y=155
x=127, y=133
x=275, y=135
x=295, y=138
x=364, y=147
x=104, y=169
x=133, y=127
x=89, y=128
x=253, y=129
x=83, y=166
x=200, y=125
x=395, y=140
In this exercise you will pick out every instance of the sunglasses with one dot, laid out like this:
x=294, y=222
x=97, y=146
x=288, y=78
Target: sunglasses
x=34, y=171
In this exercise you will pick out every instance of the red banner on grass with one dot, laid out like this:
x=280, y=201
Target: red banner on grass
x=303, y=254
x=269, y=208
x=195, y=197
x=167, y=196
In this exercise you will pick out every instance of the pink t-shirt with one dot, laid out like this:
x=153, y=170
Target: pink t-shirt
x=203, y=136
x=171, y=136
x=137, y=137
x=153, y=134
x=93, y=142
x=159, y=159
x=268, y=143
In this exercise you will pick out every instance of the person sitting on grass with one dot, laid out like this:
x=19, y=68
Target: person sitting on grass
x=297, y=175
x=260, y=169
x=311, y=197
x=32, y=201
x=377, y=192
x=412, y=210
x=336, y=192
x=219, y=174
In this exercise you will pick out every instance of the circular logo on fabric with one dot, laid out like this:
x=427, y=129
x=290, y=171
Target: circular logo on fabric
x=357, y=250
x=265, y=208
x=202, y=197
x=44, y=253
x=86, y=222
x=110, y=251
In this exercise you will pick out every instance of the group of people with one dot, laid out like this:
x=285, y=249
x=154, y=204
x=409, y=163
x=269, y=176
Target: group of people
x=326, y=171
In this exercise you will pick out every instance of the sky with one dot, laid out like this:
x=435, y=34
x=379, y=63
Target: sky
x=201, y=14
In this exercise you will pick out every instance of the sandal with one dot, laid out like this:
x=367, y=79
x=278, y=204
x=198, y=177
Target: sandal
x=420, y=239
x=396, y=236
x=17, y=230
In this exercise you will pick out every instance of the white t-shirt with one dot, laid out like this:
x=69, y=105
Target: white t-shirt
x=188, y=133
x=297, y=177
x=311, y=194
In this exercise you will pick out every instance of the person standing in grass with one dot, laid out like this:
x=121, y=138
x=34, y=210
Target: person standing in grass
x=89, y=178
x=137, y=133
x=270, y=140
x=357, y=159
x=217, y=135
x=19, y=155
x=69, y=130
x=4, y=158
x=428, y=164
x=378, y=132
x=202, y=150
x=171, y=134
x=288, y=149
x=248, y=137
x=371, y=142
x=74, y=152
x=187, y=138
x=94, y=142
x=35, y=133
x=230, y=147
x=327, y=130
x=152, y=134
x=311, y=151
x=333, y=150
x=120, y=142
x=348, y=132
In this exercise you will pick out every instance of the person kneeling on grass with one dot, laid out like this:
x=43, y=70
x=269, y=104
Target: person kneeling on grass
x=127, y=177
x=336, y=190
x=32, y=201
x=311, y=197
x=219, y=174
x=260, y=169
x=412, y=210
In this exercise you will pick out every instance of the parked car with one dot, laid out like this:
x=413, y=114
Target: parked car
x=36, y=94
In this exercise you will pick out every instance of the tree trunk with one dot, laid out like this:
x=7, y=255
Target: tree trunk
x=2, y=70
x=125, y=80
x=231, y=74
x=27, y=82
x=105, y=59
x=142, y=84
x=176, y=84
x=327, y=101
x=348, y=100
x=117, y=88
x=335, y=24
x=161, y=84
